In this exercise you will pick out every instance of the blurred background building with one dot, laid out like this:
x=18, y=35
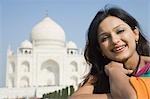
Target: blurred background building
x=44, y=63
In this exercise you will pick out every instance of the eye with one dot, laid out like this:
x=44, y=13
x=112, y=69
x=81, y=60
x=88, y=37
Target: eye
x=120, y=31
x=104, y=38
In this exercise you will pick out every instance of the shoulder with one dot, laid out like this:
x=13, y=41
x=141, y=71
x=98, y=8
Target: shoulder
x=146, y=58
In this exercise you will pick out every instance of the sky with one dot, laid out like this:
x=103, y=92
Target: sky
x=18, y=17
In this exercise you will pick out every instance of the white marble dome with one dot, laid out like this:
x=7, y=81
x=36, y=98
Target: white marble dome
x=47, y=29
x=26, y=44
x=71, y=45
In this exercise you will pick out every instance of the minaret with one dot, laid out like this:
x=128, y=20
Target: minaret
x=10, y=68
x=9, y=51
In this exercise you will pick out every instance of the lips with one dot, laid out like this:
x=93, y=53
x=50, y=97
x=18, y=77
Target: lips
x=118, y=49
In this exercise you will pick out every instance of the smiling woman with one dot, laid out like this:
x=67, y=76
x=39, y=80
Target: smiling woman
x=114, y=50
x=118, y=40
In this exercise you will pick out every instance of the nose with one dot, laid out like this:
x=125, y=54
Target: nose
x=115, y=39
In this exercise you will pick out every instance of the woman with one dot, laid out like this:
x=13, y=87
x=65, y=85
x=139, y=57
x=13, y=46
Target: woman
x=115, y=51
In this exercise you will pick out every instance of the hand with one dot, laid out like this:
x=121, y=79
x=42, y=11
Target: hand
x=113, y=67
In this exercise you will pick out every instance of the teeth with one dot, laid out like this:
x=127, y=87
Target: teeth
x=118, y=48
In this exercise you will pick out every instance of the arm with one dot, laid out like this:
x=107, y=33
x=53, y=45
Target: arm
x=91, y=96
x=120, y=81
x=86, y=92
x=117, y=78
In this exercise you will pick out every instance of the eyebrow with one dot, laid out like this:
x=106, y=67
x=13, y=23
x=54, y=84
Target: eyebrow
x=118, y=26
x=103, y=33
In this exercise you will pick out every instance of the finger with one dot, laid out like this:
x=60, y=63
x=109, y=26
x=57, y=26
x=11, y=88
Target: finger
x=128, y=71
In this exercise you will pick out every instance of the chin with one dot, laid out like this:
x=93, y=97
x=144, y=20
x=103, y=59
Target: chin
x=121, y=58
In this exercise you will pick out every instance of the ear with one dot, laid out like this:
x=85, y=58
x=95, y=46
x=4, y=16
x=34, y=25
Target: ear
x=136, y=33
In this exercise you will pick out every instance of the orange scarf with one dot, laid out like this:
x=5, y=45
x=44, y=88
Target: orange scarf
x=141, y=86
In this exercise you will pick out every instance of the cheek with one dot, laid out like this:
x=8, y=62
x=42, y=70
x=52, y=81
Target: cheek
x=129, y=35
x=104, y=47
x=130, y=39
x=132, y=45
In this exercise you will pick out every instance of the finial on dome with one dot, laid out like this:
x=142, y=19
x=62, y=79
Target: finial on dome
x=46, y=13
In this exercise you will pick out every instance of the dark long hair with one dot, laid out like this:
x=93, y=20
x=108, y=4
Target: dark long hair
x=93, y=53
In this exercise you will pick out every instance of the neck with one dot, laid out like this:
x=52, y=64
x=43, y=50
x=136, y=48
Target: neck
x=132, y=62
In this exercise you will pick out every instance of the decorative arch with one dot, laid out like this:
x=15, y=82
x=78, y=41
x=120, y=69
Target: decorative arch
x=50, y=72
x=74, y=66
x=74, y=80
x=12, y=67
x=25, y=66
x=24, y=81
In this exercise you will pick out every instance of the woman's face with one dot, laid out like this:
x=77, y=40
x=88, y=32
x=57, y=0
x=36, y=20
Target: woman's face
x=116, y=39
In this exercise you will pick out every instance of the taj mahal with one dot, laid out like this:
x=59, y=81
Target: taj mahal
x=44, y=63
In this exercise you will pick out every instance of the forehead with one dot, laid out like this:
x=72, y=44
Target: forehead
x=111, y=22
